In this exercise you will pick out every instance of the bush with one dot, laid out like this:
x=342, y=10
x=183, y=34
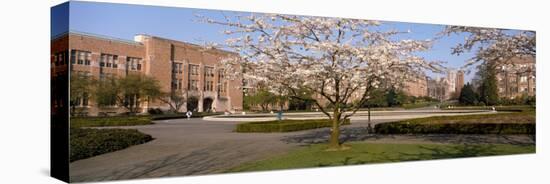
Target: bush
x=155, y=111
x=285, y=125
x=85, y=142
x=454, y=128
x=110, y=121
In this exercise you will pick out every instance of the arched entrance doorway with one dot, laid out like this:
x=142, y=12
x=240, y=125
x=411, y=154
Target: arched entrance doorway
x=207, y=104
x=192, y=103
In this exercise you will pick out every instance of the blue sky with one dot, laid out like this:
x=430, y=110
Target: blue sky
x=124, y=21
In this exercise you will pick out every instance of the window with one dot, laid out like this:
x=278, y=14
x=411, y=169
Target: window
x=109, y=61
x=221, y=74
x=177, y=84
x=133, y=63
x=59, y=58
x=81, y=57
x=193, y=85
x=209, y=86
x=194, y=69
x=208, y=72
x=223, y=87
x=177, y=68
x=523, y=79
x=131, y=101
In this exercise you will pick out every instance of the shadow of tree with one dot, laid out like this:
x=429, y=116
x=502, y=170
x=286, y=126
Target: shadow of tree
x=360, y=134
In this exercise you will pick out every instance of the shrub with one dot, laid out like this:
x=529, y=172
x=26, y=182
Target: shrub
x=85, y=142
x=454, y=128
x=155, y=111
x=110, y=121
x=285, y=125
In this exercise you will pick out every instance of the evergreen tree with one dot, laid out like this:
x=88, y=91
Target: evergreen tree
x=488, y=93
x=467, y=95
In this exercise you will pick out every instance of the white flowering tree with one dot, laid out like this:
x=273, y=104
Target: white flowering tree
x=497, y=46
x=340, y=61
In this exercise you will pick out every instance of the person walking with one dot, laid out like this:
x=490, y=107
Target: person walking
x=189, y=114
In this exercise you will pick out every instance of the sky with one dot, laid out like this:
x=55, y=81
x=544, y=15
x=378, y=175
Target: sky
x=125, y=21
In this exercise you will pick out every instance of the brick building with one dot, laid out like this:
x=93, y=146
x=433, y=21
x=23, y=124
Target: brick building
x=176, y=65
x=417, y=86
x=459, y=82
x=517, y=78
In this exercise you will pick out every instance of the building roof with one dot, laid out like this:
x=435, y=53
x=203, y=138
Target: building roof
x=98, y=36
x=132, y=42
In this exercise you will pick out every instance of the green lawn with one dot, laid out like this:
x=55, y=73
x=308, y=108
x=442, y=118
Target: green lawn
x=285, y=125
x=77, y=122
x=505, y=117
x=364, y=153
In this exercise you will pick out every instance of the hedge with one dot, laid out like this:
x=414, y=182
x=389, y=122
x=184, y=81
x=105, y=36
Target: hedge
x=110, y=121
x=455, y=128
x=86, y=142
x=284, y=125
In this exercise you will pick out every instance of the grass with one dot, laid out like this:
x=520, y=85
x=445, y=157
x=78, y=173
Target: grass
x=366, y=153
x=77, y=122
x=510, y=117
x=513, y=108
x=87, y=142
x=284, y=125
x=497, y=123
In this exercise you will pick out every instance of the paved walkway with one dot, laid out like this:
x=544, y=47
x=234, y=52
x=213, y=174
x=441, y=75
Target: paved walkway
x=194, y=147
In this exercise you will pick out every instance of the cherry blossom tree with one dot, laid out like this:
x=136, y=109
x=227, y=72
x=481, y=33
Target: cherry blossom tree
x=498, y=46
x=498, y=51
x=340, y=61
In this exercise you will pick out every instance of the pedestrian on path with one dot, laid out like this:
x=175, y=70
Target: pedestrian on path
x=189, y=114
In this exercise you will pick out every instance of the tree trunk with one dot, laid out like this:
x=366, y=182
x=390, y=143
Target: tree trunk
x=334, y=142
x=369, y=113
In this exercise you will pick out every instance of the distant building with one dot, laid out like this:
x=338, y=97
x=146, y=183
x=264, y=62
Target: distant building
x=417, y=86
x=517, y=78
x=437, y=88
x=459, y=82
x=448, y=87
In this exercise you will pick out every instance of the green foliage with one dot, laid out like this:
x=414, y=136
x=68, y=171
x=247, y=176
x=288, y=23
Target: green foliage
x=521, y=100
x=378, y=99
x=488, y=92
x=367, y=153
x=285, y=125
x=501, y=123
x=80, y=89
x=302, y=101
x=455, y=128
x=467, y=95
x=128, y=92
x=109, y=121
x=85, y=143
x=262, y=97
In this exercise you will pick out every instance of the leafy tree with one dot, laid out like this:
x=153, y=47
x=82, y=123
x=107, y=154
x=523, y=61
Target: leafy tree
x=80, y=91
x=303, y=101
x=175, y=99
x=467, y=95
x=261, y=97
x=395, y=97
x=128, y=92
